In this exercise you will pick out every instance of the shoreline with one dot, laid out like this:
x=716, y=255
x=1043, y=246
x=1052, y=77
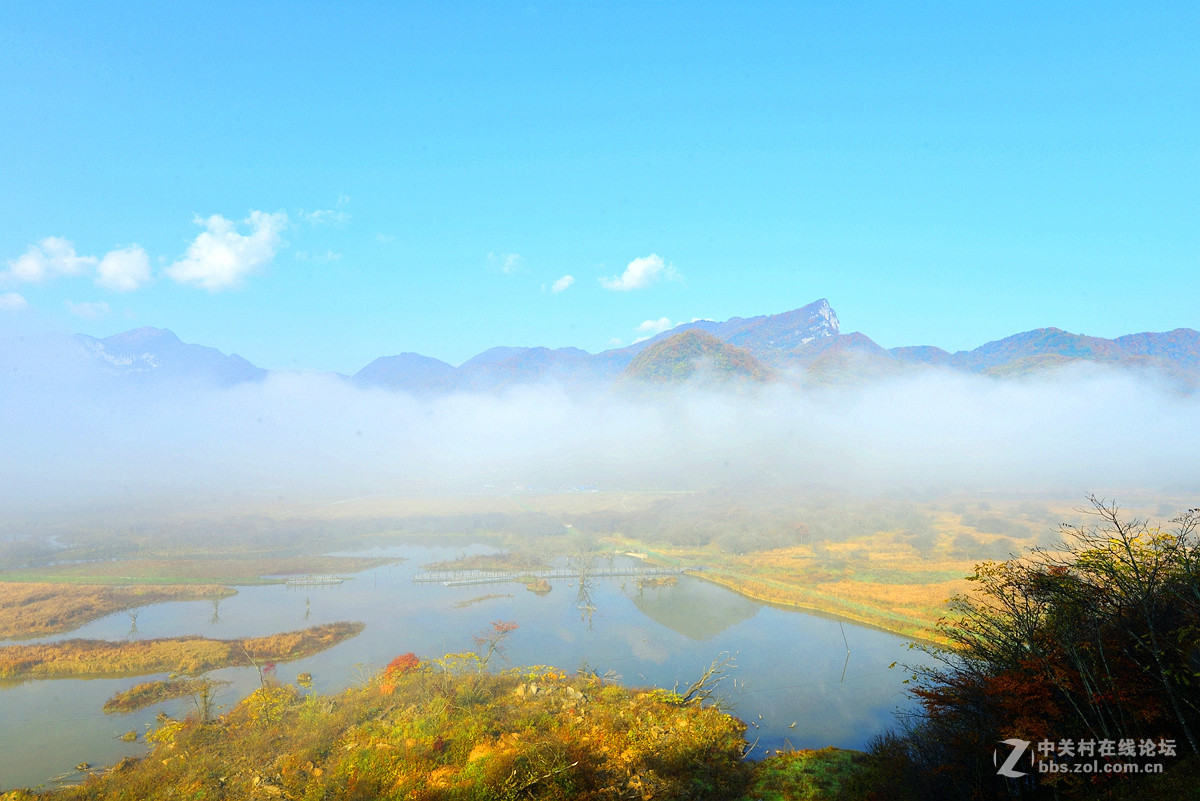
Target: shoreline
x=738, y=584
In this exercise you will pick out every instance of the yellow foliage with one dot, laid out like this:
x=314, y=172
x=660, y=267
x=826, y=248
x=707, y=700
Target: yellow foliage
x=184, y=655
x=38, y=609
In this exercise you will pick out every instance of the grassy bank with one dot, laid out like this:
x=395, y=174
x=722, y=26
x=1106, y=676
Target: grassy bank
x=152, y=692
x=184, y=655
x=441, y=731
x=184, y=569
x=810, y=775
x=884, y=586
x=37, y=609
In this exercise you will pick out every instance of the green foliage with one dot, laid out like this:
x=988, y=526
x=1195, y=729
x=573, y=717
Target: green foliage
x=528, y=733
x=670, y=697
x=267, y=704
x=824, y=775
x=1098, y=639
x=166, y=732
x=463, y=662
x=693, y=353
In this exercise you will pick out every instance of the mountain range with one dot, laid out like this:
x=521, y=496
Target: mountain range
x=804, y=345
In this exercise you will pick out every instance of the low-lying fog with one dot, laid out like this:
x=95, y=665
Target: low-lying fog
x=316, y=437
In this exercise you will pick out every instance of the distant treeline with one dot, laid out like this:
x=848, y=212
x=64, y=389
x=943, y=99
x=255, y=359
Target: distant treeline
x=756, y=521
x=739, y=520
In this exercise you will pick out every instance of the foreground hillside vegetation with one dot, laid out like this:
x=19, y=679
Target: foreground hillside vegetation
x=441, y=730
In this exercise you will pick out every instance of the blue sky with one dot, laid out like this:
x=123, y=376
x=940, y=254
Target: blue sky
x=313, y=185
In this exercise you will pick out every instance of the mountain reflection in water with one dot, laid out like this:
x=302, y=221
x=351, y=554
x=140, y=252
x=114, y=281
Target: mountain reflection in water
x=790, y=665
x=696, y=609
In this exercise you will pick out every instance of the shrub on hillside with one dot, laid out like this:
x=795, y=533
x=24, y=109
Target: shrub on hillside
x=1097, y=641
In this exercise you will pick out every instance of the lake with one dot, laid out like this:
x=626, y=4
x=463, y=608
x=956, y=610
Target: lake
x=792, y=667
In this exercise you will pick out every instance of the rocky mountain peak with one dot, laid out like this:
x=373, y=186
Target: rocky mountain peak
x=146, y=337
x=823, y=318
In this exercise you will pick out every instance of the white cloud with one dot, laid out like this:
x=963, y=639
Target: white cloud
x=124, y=269
x=385, y=239
x=649, y=328
x=325, y=217
x=507, y=263
x=11, y=301
x=639, y=274
x=87, y=310
x=220, y=257
x=52, y=256
x=332, y=216
x=562, y=284
x=327, y=256
x=655, y=326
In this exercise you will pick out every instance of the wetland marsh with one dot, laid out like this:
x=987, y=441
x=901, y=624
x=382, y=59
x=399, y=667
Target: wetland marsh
x=792, y=667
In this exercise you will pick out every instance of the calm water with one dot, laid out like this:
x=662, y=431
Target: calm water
x=792, y=667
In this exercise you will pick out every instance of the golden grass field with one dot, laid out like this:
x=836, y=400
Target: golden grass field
x=878, y=578
x=183, y=655
x=37, y=609
x=888, y=563
x=909, y=605
x=232, y=569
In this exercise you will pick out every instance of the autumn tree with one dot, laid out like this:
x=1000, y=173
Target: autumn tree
x=1098, y=638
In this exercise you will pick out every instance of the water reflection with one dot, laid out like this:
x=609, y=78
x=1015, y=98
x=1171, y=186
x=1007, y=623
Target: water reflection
x=792, y=667
x=696, y=609
x=583, y=566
